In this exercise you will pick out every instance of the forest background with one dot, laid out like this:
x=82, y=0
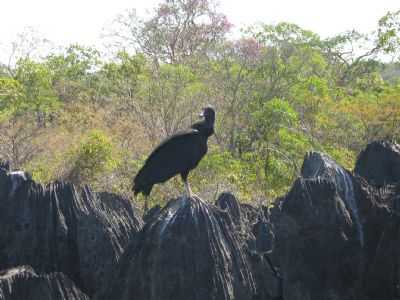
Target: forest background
x=91, y=117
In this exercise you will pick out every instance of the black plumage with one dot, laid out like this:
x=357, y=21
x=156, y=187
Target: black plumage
x=5, y=165
x=178, y=154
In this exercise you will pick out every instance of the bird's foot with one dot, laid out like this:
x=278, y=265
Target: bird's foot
x=191, y=195
x=194, y=196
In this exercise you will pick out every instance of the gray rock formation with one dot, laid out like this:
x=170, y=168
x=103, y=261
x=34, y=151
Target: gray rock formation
x=316, y=248
x=22, y=283
x=227, y=201
x=319, y=165
x=189, y=251
x=256, y=238
x=57, y=228
x=337, y=236
x=379, y=163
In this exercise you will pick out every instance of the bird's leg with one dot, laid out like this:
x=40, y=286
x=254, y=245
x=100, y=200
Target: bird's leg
x=184, y=176
x=189, y=192
x=146, y=204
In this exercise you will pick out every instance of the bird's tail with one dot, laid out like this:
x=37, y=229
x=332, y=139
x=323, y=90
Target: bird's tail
x=135, y=186
x=135, y=190
x=140, y=186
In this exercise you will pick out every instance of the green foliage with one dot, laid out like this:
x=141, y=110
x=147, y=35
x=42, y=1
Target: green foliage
x=220, y=171
x=166, y=97
x=92, y=158
x=279, y=91
x=75, y=63
x=36, y=80
x=123, y=73
x=73, y=72
x=30, y=90
x=11, y=98
x=278, y=143
x=272, y=116
x=389, y=31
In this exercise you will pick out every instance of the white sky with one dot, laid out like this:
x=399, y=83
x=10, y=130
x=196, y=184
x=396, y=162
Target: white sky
x=81, y=21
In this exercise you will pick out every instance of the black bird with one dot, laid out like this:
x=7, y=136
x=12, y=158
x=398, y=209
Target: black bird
x=178, y=154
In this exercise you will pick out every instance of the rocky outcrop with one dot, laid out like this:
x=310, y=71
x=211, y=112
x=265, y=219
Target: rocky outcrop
x=22, y=283
x=189, y=251
x=228, y=202
x=316, y=248
x=255, y=236
x=334, y=235
x=379, y=208
x=319, y=165
x=58, y=228
x=151, y=213
x=379, y=163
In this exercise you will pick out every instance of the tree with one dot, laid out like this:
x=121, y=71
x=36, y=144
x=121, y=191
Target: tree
x=73, y=72
x=167, y=99
x=39, y=96
x=389, y=32
x=290, y=54
x=16, y=131
x=231, y=82
x=350, y=55
x=354, y=55
x=277, y=143
x=11, y=98
x=29, y=44
x=309, y=97
x=122, y=77
x=23, y=99
x=178, y=30
x=91, y=159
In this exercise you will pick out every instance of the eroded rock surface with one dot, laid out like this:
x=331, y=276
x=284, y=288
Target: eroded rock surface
x=316, y=249
x=57, y=228
x=379, y=163
x=189, y=251
x=227, y=201
x=336, y=235
x=255, y=236
x=319, y=165
x=22, y=283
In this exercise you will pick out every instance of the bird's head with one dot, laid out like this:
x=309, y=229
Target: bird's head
x=208, y=114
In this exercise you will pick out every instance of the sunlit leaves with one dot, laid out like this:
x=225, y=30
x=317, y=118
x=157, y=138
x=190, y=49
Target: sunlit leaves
x=389, y=31
x=279, y=91
x=73, y=72
x=36, y=80
x=122, y=74
x=11, y=98
x=92, y=157
x=272, y=116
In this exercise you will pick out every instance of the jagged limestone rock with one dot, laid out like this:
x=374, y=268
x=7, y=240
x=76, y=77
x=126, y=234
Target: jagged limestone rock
x=22, y=283
x=379, y=163
x=189, y=251
x=58, y=228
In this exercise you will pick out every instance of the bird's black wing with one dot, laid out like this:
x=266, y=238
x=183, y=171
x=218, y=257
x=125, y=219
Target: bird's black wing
x=174, y=155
